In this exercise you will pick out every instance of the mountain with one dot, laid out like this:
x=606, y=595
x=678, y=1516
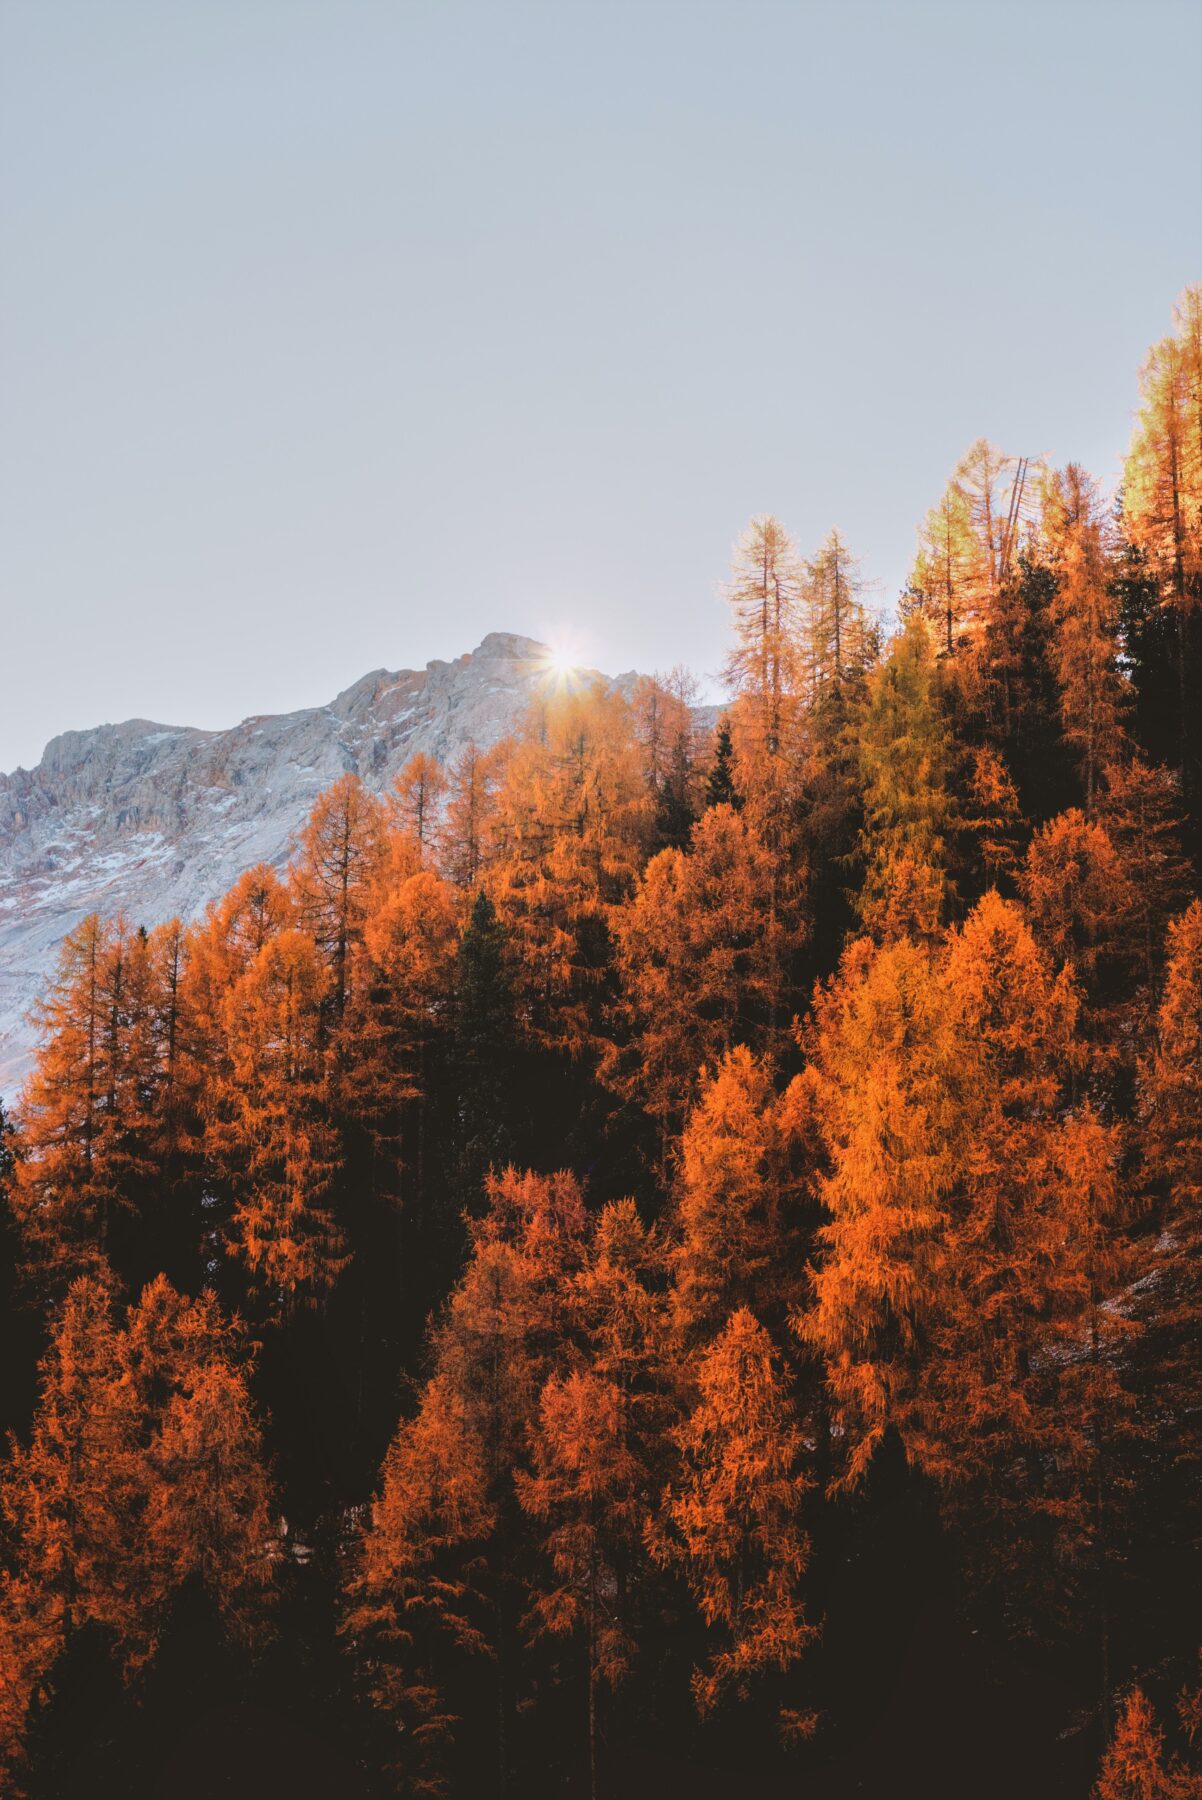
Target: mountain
x=156, y=820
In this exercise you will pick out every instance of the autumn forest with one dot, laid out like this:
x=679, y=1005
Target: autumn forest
x=668, y=1250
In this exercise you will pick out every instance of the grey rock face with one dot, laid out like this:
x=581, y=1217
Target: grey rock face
x=156, y=820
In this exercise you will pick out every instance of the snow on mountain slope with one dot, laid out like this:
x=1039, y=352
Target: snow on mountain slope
x=156, y=820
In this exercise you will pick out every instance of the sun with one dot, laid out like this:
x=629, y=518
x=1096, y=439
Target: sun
x=562, y=661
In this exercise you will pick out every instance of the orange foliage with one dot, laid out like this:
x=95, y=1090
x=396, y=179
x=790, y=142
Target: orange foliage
x=1162, y=479
x=1135, y=1766
x=739, y=1191
x=340, y=854
x=403, y=991
x=1085, y=625
x=271, y=1132
x=465, y=829
x=415, y=803
x=586, y=1486
x=968, y=1247
x=733, y=1519
x=572, y=817
x=703, y=950
x=86, y=1114
x=1078, y=894
x=594, y=1447
x=419, y=1581
x=144, y=1468
x=935, y=1208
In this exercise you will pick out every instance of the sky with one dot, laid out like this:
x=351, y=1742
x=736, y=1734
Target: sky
x=335, y=334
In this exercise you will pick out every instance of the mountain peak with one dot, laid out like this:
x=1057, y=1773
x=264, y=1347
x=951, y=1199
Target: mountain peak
x=511, y=646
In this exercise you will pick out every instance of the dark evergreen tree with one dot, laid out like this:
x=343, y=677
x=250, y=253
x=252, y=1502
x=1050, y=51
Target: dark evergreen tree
x=484, y=1054
x=20, y=1327
x=832, y=817
x=1158, y=643
x=720, y=789
x=8, y=1154
x=674, y=812
x=1018, y=696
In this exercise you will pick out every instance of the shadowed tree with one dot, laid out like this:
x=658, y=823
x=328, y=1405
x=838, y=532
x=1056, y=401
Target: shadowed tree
x=1162, y=510
x=423, y=1582
x=720, y=787
x=483, y=1051
x=144, y=1471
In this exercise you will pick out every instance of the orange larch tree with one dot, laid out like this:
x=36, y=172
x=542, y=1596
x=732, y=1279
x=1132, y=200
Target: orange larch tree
x=465, y=827
x=86, y=1111
x=144, y=1467
x=415, y=804
x=971, y=1241
x=229, y=938
x=705, y=950
x=905, y=757
x=401, y=1006
x=219, y=951
x=421, y=1585
x=878, y=1045
x=732, y=1520
x=765, y=671
x=573, y=819
x=69, y=1500
x=1170, y=1121
x=1085, y=625
x=70, y=1495
x=1162, y=498
x=340, y=852
x=1021, y=1397
x=271, y=1134
x=942, y=583
x=60, y=1199
x=206, y=1516
x=1136, y=1765
x=416, y=1596
x=764, y=665
x=838, y=635
x=955, y=579
x=586, y=1487
x=741, y=1193
x=596, y=1453
x=1076, y=889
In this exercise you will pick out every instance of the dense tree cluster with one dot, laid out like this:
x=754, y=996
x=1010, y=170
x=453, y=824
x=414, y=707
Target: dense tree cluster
x=621, y=1226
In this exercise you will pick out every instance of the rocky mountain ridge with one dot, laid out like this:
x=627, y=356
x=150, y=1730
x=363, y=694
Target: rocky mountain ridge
x=157, y=820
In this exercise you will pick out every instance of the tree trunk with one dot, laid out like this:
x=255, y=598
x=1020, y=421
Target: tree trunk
x=592, y=1711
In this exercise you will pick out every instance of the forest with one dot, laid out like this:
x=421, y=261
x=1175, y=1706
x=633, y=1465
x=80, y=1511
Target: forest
x=670, y=1249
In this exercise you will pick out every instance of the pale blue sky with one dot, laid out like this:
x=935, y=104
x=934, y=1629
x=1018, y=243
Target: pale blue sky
x=335, y=333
